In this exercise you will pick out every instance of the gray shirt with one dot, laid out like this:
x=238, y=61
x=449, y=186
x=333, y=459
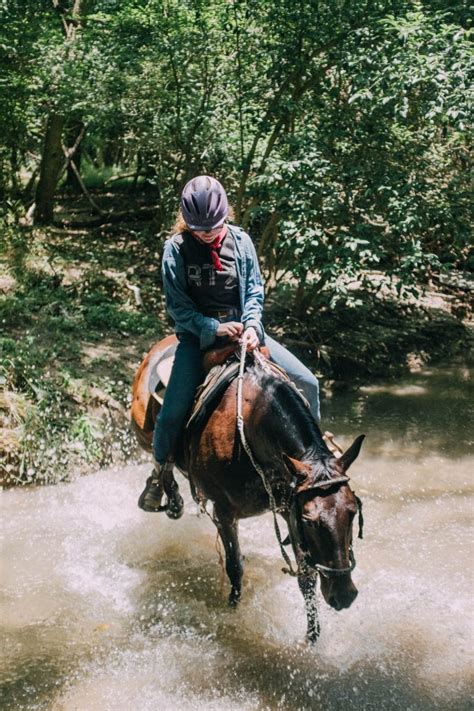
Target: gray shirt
x=209, y=288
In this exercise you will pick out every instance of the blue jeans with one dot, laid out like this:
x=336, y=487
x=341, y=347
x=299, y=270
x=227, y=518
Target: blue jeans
x=187, y=374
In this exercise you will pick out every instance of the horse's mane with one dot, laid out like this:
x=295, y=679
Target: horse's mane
x=290, y=406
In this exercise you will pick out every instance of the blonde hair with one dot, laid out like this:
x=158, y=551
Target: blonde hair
x=180, y=223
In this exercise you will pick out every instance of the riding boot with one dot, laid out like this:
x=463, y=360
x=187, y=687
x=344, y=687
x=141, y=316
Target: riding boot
x=150, y=498
x=160, y=482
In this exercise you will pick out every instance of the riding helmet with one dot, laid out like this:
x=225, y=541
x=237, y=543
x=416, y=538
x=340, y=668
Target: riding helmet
x=204, y=203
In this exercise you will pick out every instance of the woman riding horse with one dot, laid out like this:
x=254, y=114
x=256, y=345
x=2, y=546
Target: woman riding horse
x=214, y=294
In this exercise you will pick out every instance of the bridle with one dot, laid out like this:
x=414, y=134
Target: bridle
x=297, y=526
x=305, y=566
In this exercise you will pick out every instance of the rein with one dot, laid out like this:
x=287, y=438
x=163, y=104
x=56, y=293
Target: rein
x=256, y=465
x=303, y=566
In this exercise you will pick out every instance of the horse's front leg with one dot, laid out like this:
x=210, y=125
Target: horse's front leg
x=175, y=505
x=228, y=528
x=307, y=585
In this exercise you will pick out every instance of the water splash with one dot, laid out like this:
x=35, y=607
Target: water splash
x=106, y=607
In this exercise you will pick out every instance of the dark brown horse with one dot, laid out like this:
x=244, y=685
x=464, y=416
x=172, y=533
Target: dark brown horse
x=309, y=485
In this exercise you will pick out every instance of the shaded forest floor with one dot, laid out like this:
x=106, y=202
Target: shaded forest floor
x=73, y=335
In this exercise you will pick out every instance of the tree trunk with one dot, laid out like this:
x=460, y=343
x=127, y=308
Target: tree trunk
x=109, y=151
x=51, y=163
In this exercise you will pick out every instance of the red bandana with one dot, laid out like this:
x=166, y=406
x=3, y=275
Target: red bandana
x=214, y=246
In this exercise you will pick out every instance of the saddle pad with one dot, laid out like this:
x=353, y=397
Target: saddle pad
x=161, y=371
x=214, y=386
x=164, y=368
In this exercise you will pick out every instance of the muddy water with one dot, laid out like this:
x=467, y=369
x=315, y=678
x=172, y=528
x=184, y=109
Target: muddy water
x=106, y=607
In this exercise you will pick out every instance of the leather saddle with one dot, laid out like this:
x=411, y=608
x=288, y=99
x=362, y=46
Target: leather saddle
x=221, y=365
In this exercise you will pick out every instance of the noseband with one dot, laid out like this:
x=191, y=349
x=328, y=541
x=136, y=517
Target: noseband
x=297, y=524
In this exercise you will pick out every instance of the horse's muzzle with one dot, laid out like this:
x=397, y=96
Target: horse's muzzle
x=340, y=597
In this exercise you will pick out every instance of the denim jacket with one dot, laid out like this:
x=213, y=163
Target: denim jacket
x=181, y=307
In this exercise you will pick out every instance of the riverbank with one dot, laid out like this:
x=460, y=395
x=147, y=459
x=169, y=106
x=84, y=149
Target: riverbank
x=80, y=305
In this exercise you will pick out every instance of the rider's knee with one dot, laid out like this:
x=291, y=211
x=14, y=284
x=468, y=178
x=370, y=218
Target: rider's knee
x=309, y=382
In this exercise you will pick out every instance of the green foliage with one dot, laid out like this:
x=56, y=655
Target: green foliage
x=341, y=130
x=63, y=376
x=54, y=417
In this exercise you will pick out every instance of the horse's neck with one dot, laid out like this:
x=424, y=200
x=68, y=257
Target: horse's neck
x=283, y=423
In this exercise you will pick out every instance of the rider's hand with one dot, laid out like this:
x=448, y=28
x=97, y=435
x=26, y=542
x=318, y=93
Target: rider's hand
x=231, y=329
x=251, y=338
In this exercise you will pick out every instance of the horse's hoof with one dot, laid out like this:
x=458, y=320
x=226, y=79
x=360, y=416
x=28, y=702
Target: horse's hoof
x=234, y=598
x=175, y=507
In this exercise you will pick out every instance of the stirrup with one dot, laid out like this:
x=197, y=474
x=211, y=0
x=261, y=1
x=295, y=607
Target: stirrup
x=152, y=482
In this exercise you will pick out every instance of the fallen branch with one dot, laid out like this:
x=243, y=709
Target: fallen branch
x=28, y=190
x=70, y=152
x=84, y=189
x=113, y=178
x=136, y=293
x=146, y=212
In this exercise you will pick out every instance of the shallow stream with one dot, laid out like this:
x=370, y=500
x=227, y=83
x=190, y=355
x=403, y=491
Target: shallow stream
x=104, y=607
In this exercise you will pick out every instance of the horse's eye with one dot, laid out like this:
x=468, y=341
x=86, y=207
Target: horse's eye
x=310, y=522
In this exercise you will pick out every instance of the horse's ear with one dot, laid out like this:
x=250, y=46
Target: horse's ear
x=297, y=469
x=350, y=455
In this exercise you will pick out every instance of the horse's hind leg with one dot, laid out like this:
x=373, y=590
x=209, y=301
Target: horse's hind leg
x=227, y=525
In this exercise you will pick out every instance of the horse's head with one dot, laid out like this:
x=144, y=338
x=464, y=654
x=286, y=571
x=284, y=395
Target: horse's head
x=321, y=518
